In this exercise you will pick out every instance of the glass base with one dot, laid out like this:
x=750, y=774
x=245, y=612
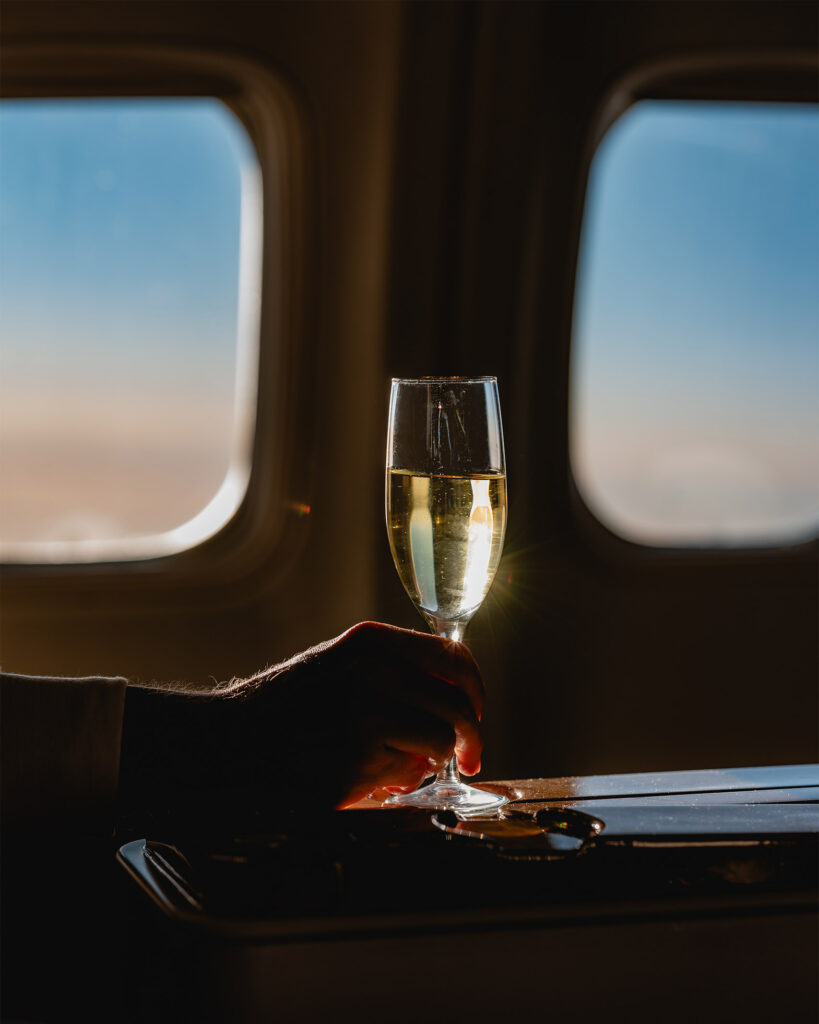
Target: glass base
x=449, y=796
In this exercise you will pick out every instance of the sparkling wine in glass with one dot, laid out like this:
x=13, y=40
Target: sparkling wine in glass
x=446, y=519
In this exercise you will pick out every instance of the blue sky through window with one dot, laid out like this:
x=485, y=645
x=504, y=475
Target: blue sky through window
x=695, y=401
x=120, y=243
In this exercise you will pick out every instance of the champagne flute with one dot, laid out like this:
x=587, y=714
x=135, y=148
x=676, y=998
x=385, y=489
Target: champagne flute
x=446, y=519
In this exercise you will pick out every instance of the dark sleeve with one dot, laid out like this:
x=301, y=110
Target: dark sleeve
x=59, y=750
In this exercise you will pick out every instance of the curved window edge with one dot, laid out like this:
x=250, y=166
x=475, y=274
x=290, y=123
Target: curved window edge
x=715, y=77
x=269, y=110
x=225, y=503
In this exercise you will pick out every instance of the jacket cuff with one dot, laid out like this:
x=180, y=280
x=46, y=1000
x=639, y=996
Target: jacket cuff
x=60, y=744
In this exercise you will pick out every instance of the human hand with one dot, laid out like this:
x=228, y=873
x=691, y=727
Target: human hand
x=376, y=707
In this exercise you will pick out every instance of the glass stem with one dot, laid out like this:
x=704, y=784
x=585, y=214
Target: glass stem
x=448, y=775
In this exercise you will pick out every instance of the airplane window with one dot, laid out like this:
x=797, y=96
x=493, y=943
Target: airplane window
x=129, y=279
x=695, y=356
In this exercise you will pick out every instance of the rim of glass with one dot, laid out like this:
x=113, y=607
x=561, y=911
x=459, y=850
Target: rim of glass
x=432, y=380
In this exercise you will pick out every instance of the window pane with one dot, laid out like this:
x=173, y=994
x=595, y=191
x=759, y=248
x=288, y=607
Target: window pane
x=695, y=376
x=122, y=224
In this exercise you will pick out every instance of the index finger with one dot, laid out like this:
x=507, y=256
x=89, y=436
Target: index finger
x=445, y=659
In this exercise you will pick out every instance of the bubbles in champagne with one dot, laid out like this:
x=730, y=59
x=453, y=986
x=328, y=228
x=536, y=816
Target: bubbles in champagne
x=446, y=535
